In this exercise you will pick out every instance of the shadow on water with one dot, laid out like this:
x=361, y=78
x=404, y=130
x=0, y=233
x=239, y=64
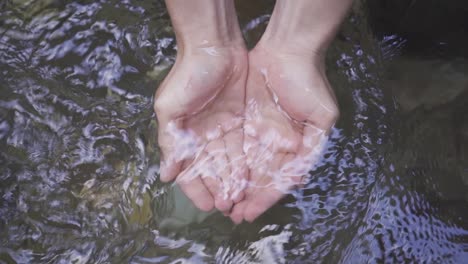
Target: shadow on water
x=79, y=162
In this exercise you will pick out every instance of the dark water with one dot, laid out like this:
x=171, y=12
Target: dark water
x=79, y=161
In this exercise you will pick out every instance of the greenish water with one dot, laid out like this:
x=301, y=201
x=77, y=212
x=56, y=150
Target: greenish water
x=79, y=162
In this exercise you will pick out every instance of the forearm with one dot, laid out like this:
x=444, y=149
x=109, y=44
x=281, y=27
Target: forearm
x=305, y=25
x=204, y=23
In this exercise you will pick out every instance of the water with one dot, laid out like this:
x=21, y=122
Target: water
x=79, y=166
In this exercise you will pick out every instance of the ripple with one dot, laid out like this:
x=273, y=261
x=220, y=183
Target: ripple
x=79, y=163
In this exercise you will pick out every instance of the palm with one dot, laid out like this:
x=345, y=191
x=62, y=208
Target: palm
x=200, y=107
x=289, y=110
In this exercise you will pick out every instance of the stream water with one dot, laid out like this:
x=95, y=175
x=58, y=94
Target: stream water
x=79, y=158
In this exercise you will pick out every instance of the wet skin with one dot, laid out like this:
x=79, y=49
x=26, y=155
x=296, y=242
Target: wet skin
x=200, y=108
x=261, y=130
x=290, y=109
x=238, y=130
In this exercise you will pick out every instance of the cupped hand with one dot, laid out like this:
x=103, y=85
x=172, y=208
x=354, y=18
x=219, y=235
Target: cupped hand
x=290, y=108
x=200, y=107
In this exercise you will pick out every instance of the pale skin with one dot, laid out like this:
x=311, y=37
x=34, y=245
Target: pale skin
x=238, y=129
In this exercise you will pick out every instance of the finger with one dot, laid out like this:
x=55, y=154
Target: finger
x=214, y=186
x=274, y=177
x=170, y=167
x=251, y=149
x=237, y=213
x=261, y=201
x=181, y=145
x=270, y=188
x=192, y=185
x=260, y=157
x=256, y=140
x=238, y=194
x=217, y=180
x=196, y=191
x=260, y=170
x=237, y=163
x=292, y=172
x=169, y=170
x=313, y=143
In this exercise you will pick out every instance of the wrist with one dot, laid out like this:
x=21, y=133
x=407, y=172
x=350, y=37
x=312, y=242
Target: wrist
x=291, y=51
x=271, y=55
x=204, y=23
x=199, y=37
x=304, y=27
x=229, y=53
x=297, y=38
x=211, y=47
x=307, y=48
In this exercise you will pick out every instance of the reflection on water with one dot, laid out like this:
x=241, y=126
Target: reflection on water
x=79, y=166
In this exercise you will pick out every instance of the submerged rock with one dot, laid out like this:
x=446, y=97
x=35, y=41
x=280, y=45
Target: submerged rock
x=426, y=83
x=176, y=211
x=433, y=97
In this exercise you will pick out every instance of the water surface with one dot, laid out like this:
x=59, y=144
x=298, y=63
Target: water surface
x=79, y=162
